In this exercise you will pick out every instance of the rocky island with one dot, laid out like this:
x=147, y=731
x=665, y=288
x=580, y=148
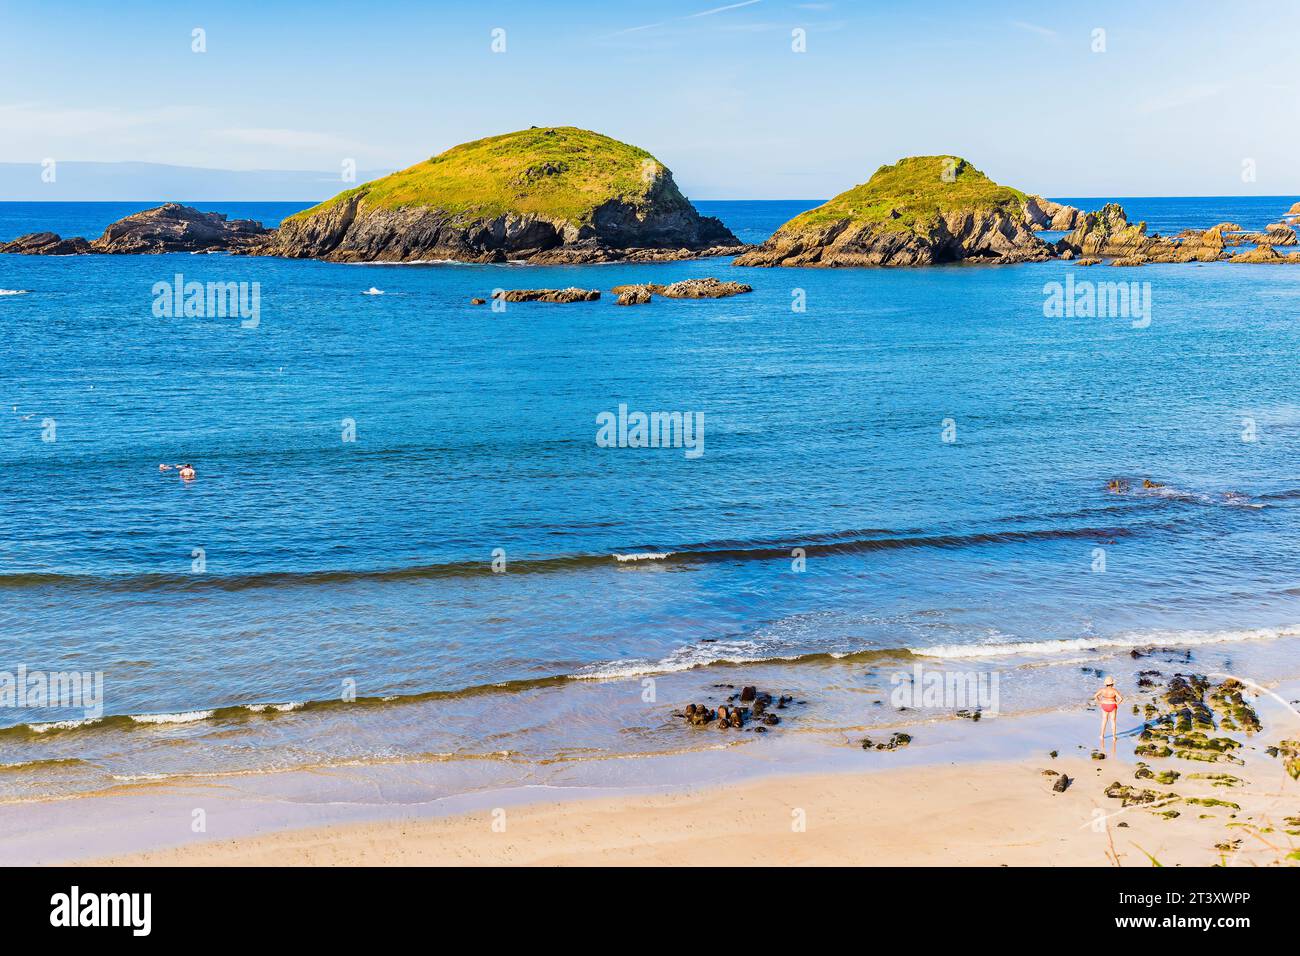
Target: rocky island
x=930, y=210
x=167, y=228
x=552, y=195
x=922, y=210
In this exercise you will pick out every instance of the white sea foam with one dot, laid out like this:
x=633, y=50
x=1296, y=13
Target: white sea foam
x=1230, y=498
x=282, y=708
x=412, y=262
x=188, y=717
x=1148, y=639
x=14, y=291
x=373, y=291
x=643, y=556
x=64, y=725
x=683, y=659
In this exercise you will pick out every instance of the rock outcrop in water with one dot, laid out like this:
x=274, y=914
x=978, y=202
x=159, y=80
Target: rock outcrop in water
x=706, y=288
x=46, y=244
x=1266, y=255
x=167, y=228
x=554, y=195
x=562, y=296
x=1108, y=233
x=1052, y=216
x=921, y=211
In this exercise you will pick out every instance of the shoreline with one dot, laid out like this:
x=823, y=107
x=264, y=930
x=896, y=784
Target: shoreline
x=965, y=793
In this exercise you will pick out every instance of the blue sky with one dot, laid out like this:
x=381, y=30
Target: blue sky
x=1184, y=94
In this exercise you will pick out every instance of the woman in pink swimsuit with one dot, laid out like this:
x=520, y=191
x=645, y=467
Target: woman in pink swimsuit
x=1109, y=699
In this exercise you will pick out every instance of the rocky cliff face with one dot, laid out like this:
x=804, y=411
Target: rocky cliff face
x=1052, y=216
x=556, y=195
x=923, y=210
x=977, y=235
x=167, y=228
x=351, y=231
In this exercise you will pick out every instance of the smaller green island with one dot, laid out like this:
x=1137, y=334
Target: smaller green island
x=922, y=210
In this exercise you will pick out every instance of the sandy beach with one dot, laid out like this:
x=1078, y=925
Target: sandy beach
x=985, y=814
x=1201, y=775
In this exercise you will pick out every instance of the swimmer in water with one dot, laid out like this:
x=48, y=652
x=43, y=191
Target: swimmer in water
x=1148, y=483
x=187, y=473
x=1109, y=699
x=164, y=467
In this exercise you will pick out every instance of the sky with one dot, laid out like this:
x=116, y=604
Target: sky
x=1173, y=98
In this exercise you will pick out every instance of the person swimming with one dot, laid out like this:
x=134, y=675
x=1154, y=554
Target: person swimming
x=188, y=473
x=1109, y=699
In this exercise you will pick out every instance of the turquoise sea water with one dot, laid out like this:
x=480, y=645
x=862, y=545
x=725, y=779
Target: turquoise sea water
x=827, y=514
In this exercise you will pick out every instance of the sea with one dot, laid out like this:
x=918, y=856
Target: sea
x=408, y=540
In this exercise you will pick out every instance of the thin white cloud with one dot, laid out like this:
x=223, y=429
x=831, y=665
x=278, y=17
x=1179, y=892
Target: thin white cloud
x=689, y=16
x=644, y=26
x=730, y=6
x=1034, y=28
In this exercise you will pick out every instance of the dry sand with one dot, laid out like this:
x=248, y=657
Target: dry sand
x=972, y=814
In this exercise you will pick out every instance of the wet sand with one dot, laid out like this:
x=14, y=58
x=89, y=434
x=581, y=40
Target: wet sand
x=989, y=814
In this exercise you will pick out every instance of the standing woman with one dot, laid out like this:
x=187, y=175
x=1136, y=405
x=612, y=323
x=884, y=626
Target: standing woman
x=1109, y=699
